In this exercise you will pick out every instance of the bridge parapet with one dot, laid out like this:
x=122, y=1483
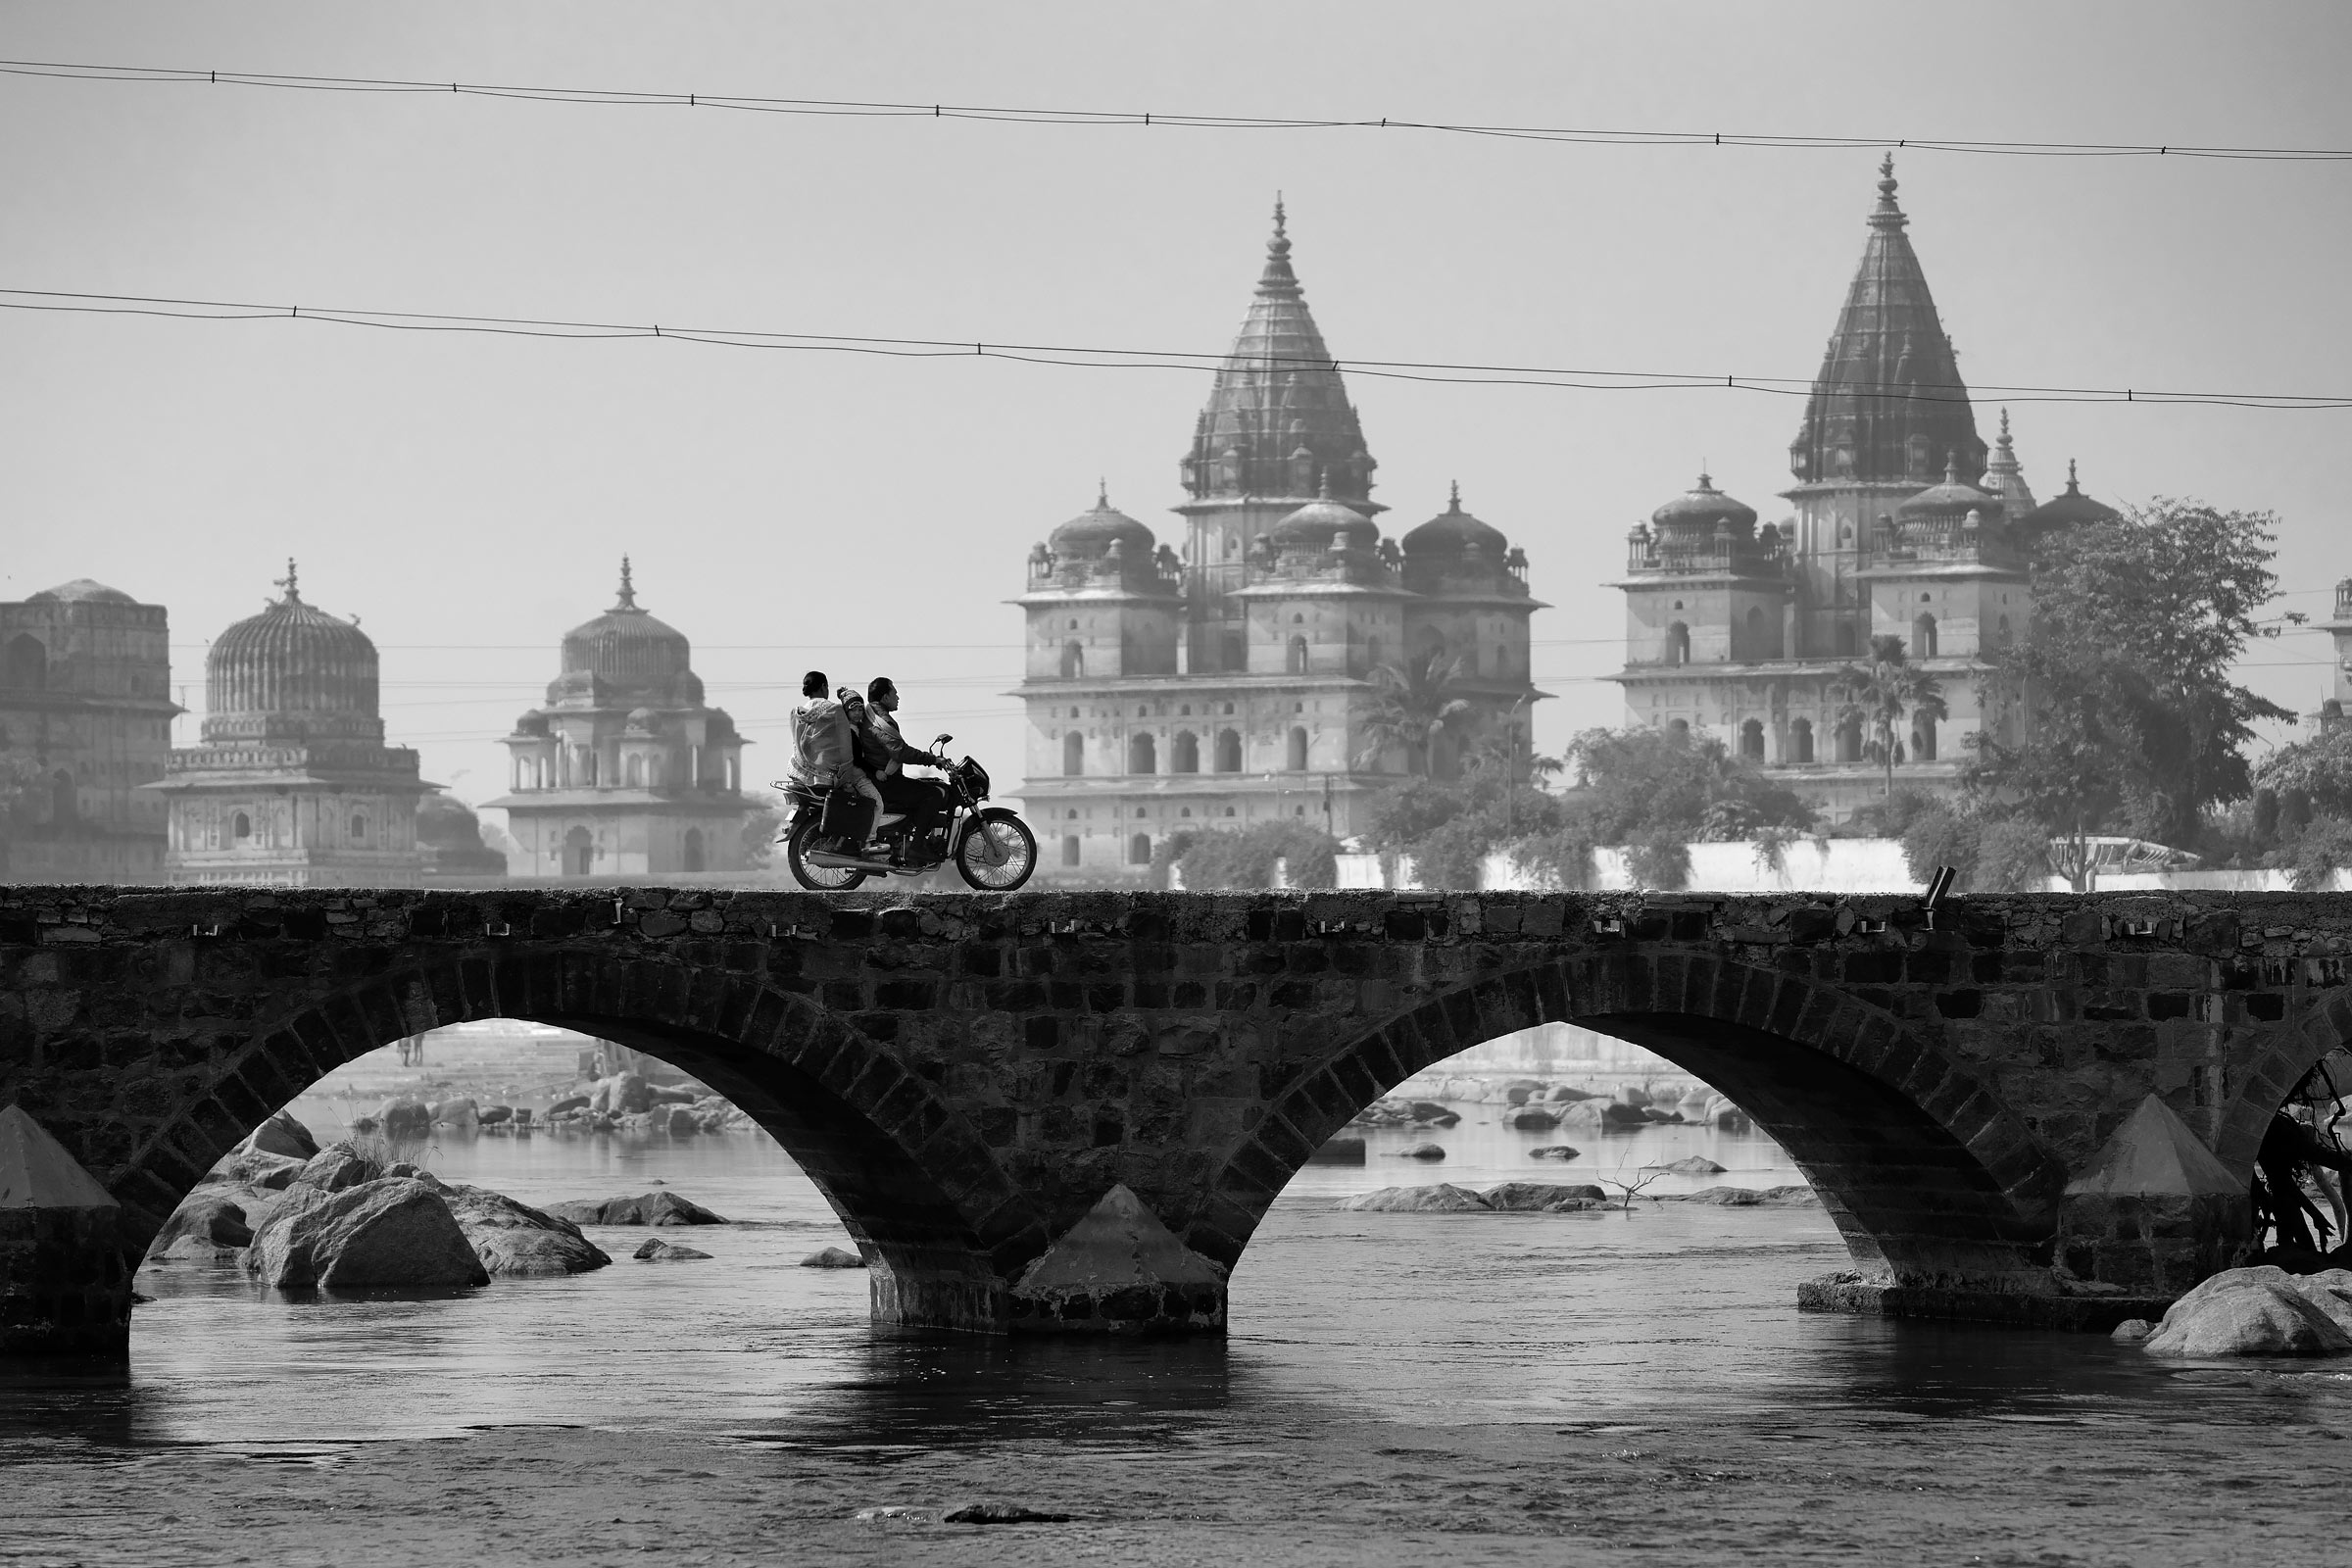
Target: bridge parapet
x=965, y=1076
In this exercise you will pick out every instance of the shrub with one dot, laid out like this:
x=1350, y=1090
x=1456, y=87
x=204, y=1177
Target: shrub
x=2321, y=850
x=1660, y=861
x=1246, y=859
x=2011, y=858
x=1941, y=837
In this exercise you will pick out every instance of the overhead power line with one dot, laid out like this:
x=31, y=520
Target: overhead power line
x=1080, y=357
x=1143, y=119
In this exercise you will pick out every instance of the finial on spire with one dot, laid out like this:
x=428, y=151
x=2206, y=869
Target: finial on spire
x=1323, y=486
x=1951, y=466
x=1102, y=493
x=628, y=589
x=290, y=584
x=1454, y=499
x=1888, y=215
x=2069, y=476
x=1280, y=229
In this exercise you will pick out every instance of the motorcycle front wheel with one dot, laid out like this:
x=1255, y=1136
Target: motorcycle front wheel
x=818, y=878
x=1010, y=838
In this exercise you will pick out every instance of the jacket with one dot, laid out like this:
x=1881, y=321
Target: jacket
x=883, y=750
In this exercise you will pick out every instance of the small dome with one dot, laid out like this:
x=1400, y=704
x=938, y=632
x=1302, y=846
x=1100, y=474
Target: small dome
x=2070, y=508
x=1324, y=524
x=1447, y=533
x=625, y=646
x=82, y=591
x=1092, y=533
x=1954, y=499
x=293, y=658
x=642, y=718
x=1702, y=508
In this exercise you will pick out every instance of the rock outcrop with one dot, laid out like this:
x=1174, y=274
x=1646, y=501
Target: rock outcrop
x=517, y=1240
x=393, y=1231
x=1443, y=1197
x=1529, y=1198
x=657, y=1251
x=833, y=1258
x=648, y=1209
x=283, y=1136
x=2259, y=1311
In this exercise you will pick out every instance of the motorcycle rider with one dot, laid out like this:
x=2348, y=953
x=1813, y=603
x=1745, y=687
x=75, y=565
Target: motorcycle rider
x=886, y=754
x=824, y=747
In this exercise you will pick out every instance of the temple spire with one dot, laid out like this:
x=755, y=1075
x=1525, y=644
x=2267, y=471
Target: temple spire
x=291, y=583
x=1888, y=215
x=627, y=599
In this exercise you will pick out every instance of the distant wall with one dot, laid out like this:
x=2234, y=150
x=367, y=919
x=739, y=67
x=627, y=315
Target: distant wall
x=1831, y=865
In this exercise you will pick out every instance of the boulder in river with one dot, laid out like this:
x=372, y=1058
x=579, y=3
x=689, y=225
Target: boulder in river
x=207, y=1215
x=1695, y=1165
x=1002, y=1513
x=1527, y=1119
x=2257, y=1311
x=1554, y=1151
x=1434, y=1114
x=568, y=1102
x=463, y=1112
x=518, y=1241
x=1344, y=1150
x=833, y=1258
x=392, y=1232
x=657, y=1251
x=1569, y=1094
x=2133, y=1330
x=1616, y=1117
x=1530, y=1198
x=406, y=1118
x=650, y=1209
x=1720, y=1197
x=492, y=1115
x=1444, y=1197
x=332, y=1169
x=281, y=1135
x=1419, y=1152
x=253, y=1167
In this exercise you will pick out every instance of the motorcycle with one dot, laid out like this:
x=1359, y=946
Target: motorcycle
x=993, y=849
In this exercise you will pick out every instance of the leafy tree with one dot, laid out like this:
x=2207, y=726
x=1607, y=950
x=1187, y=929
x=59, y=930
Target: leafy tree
x=2130, y=720
x=2320, y=769
x=2011, y=858
x=1882, y=691
x=1646, y=788
x=1246, y=859
x=760, y=827
x=1412, y=708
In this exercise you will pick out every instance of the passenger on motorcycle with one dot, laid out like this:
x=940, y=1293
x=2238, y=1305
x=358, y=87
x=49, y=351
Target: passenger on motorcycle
x=885, y=754
x=824, y=748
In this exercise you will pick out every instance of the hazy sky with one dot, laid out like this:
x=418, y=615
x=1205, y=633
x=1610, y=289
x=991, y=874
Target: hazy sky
x=468, y=497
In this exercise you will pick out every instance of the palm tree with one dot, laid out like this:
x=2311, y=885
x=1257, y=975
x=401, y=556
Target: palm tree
x=1885, y=691
x=1411, y=706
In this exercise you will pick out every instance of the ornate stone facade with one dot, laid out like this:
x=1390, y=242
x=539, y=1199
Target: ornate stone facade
x=1228, y=683
x=86, y=709
x=1740, y=628
x=626, y=772
x=291, y=783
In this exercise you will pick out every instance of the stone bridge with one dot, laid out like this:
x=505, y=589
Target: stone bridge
x=964, y=1076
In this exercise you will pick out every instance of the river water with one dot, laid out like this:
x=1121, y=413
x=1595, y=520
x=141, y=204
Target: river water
x=1624, y=1387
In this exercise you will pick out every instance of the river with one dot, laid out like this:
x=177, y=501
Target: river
x=1606, y=1386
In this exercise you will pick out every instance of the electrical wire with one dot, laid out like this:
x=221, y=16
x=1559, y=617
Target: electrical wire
x=1068, y=356
x=1140, y=118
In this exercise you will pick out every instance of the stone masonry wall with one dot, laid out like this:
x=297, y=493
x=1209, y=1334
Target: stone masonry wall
x=967, y=1075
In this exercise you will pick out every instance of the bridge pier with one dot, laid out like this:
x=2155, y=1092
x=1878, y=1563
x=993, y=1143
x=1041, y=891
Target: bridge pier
x=65, y=1287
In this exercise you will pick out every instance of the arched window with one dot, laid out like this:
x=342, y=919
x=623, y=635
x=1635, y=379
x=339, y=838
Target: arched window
x=1073, y=661
x=1073, y=754
x=636, y=771
x=690, y=851
x=1677, y=644
x=1923, y=636
x=1187, y=811
x=1679, y=728
x=1187, y=752
x=1142, y=753
x=1069, y=848
x=1923, y=737
x=579, y=852
x=358, y=829
x=240, y=827
x=1229, y=810
x=2002, y=632
x=1849, y=738
x=1800, y=741
x=28, y=662
x=1138, y=850
x=63, y=804
x=1229, y=751
x=1297, y=660
x=1297, y=761
x=1371, y=652
x=1752, y=739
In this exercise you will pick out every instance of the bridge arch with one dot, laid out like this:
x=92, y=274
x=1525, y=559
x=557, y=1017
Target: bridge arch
x=914, y=1181
x=2287, y=1054
x=1926, y=1174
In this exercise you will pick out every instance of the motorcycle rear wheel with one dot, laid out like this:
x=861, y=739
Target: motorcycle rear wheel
x=1006, y=832
x=816, y=878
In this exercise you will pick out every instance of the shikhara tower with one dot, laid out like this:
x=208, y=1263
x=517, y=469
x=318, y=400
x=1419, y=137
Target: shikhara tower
x=1904, y=524
x=1229, y=684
